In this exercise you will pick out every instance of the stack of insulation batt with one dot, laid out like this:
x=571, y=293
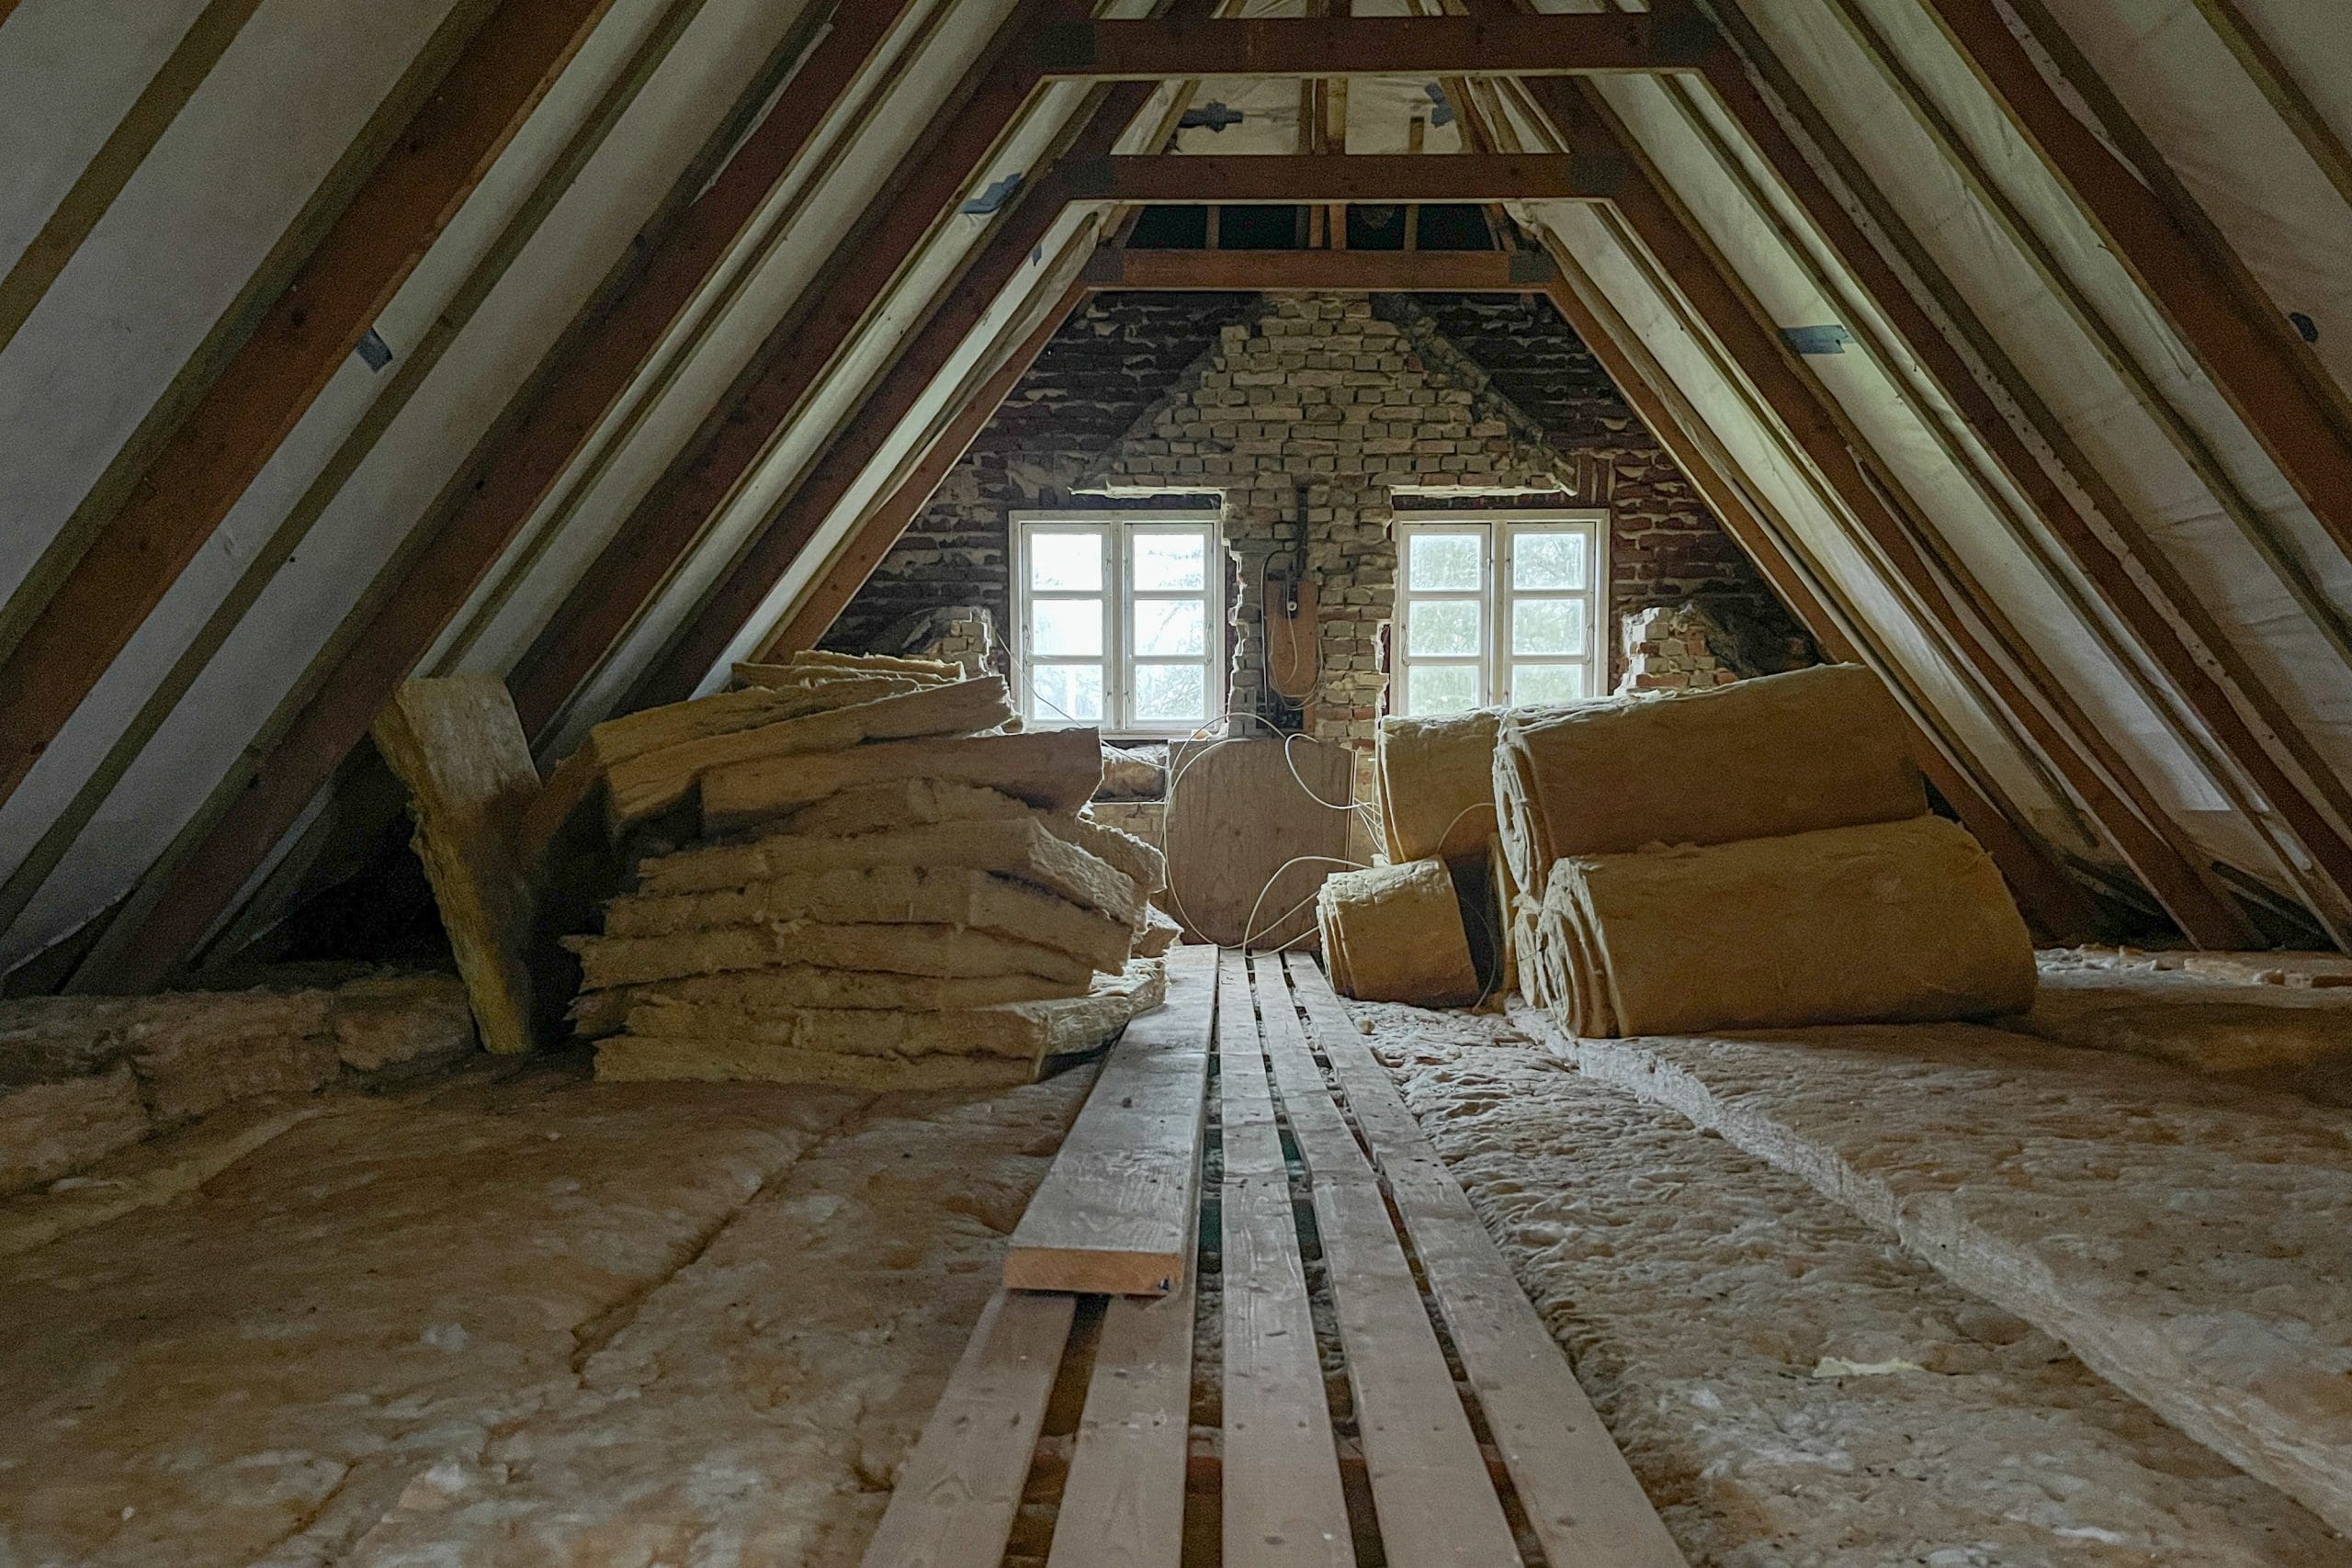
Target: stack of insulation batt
x=1758, y=855
x=893, y=891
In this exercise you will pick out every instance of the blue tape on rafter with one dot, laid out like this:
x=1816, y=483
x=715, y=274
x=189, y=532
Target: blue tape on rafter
x=1443, y=113
x=373, y=351
x=995, y=197
x=1828, y=339
x=1209, y=117
x=2306, y=328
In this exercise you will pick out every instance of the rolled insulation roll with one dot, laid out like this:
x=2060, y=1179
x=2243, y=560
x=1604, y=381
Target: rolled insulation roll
x=1393, y=934
x=1891, y=922
x=1436, y=795
x=1820, y=748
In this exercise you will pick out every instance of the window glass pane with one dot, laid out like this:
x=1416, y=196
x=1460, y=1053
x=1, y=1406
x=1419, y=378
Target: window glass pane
x=1170, y=562
x=1062, y=562
x=1438, y=627
x=1066, y=693
x=1443, y=563
x=1067, y=628
x=1165, y=693
x=1548, y=560
x=1441, y=688
x=1532, y=683
x=1170, y=627
x=1547, y=626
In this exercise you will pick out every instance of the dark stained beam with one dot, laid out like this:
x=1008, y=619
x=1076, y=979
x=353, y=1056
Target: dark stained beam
x=878, y=532
x=199, y=472
x=2269, y=376
x=1670, y=38
x=1290, y=178
x=2054, y=898
x=2136, y=580
x=509, y=474
x=1271, y=272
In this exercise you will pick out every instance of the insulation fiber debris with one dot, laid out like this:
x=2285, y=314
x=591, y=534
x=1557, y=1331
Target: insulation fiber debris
x=1886, y=923
x=897, y=893
x=1394, y=933
x=1813, y=749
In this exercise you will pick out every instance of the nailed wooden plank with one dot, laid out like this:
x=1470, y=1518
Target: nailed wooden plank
x=1116, y=1214
x=1580, y=1497
x=1430, y=1487
x=1123, y=1505
x=956, y=1495
x=501, y=485
x=1282, y=1502
x=221, y=446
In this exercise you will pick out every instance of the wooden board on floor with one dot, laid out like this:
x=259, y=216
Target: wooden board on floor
x=1431, y=1490
x=1581, y=1498
x=1124, y=1502
x=1116, y=1213
x=457, y=745
x=1236, y=814
x=1282, y=1501
x=956, y=1495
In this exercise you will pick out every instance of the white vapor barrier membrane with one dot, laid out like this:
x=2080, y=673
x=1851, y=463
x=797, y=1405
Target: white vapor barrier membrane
x=2242, y=163
x=1955, y=508
x=178, y=243
x=385, y=497
x=1821, y=535
x=2067, y=367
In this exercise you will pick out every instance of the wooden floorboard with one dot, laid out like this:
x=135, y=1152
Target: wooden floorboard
x=1124, y=1504
x=1116, y=1213
x=955, y=1498
x=1283, y=1500
x=1436, y=1504
x=1580, y=1497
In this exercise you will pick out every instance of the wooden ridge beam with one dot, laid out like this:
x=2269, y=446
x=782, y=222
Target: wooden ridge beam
x=2185, y=884
x=2247, y=348
x=2040, y=883
x=1290, y=178
x=665, y=527
x=1268, y=272
x=216, y=452
x=510, y=472
x=1667, y=39
x=2165, y=618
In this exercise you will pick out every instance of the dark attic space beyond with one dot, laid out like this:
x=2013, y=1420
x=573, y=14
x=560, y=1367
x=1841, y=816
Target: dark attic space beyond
x=1188, y=784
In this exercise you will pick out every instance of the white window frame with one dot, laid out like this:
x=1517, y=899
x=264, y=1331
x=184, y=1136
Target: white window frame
x=1121, y=528
x=1498, y=532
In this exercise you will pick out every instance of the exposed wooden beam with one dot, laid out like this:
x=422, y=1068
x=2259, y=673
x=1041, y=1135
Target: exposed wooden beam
x=199, y=472
x=1670, y=38
x=1282, y=178
x=1274, y=272
x=2276, y=77
x=663, y=528
x=2136, y=580
x=2268, y=376
x=510, y=472
x=2055, y=901
x=879, y=531
x=1876, y=501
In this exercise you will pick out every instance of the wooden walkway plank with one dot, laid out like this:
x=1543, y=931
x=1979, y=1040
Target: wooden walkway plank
x=953, y=1504
x=1580, y=1496
x=1123, y=1505
x=1430, y=1489
x=1282, y=1501
x=1117, y=1213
